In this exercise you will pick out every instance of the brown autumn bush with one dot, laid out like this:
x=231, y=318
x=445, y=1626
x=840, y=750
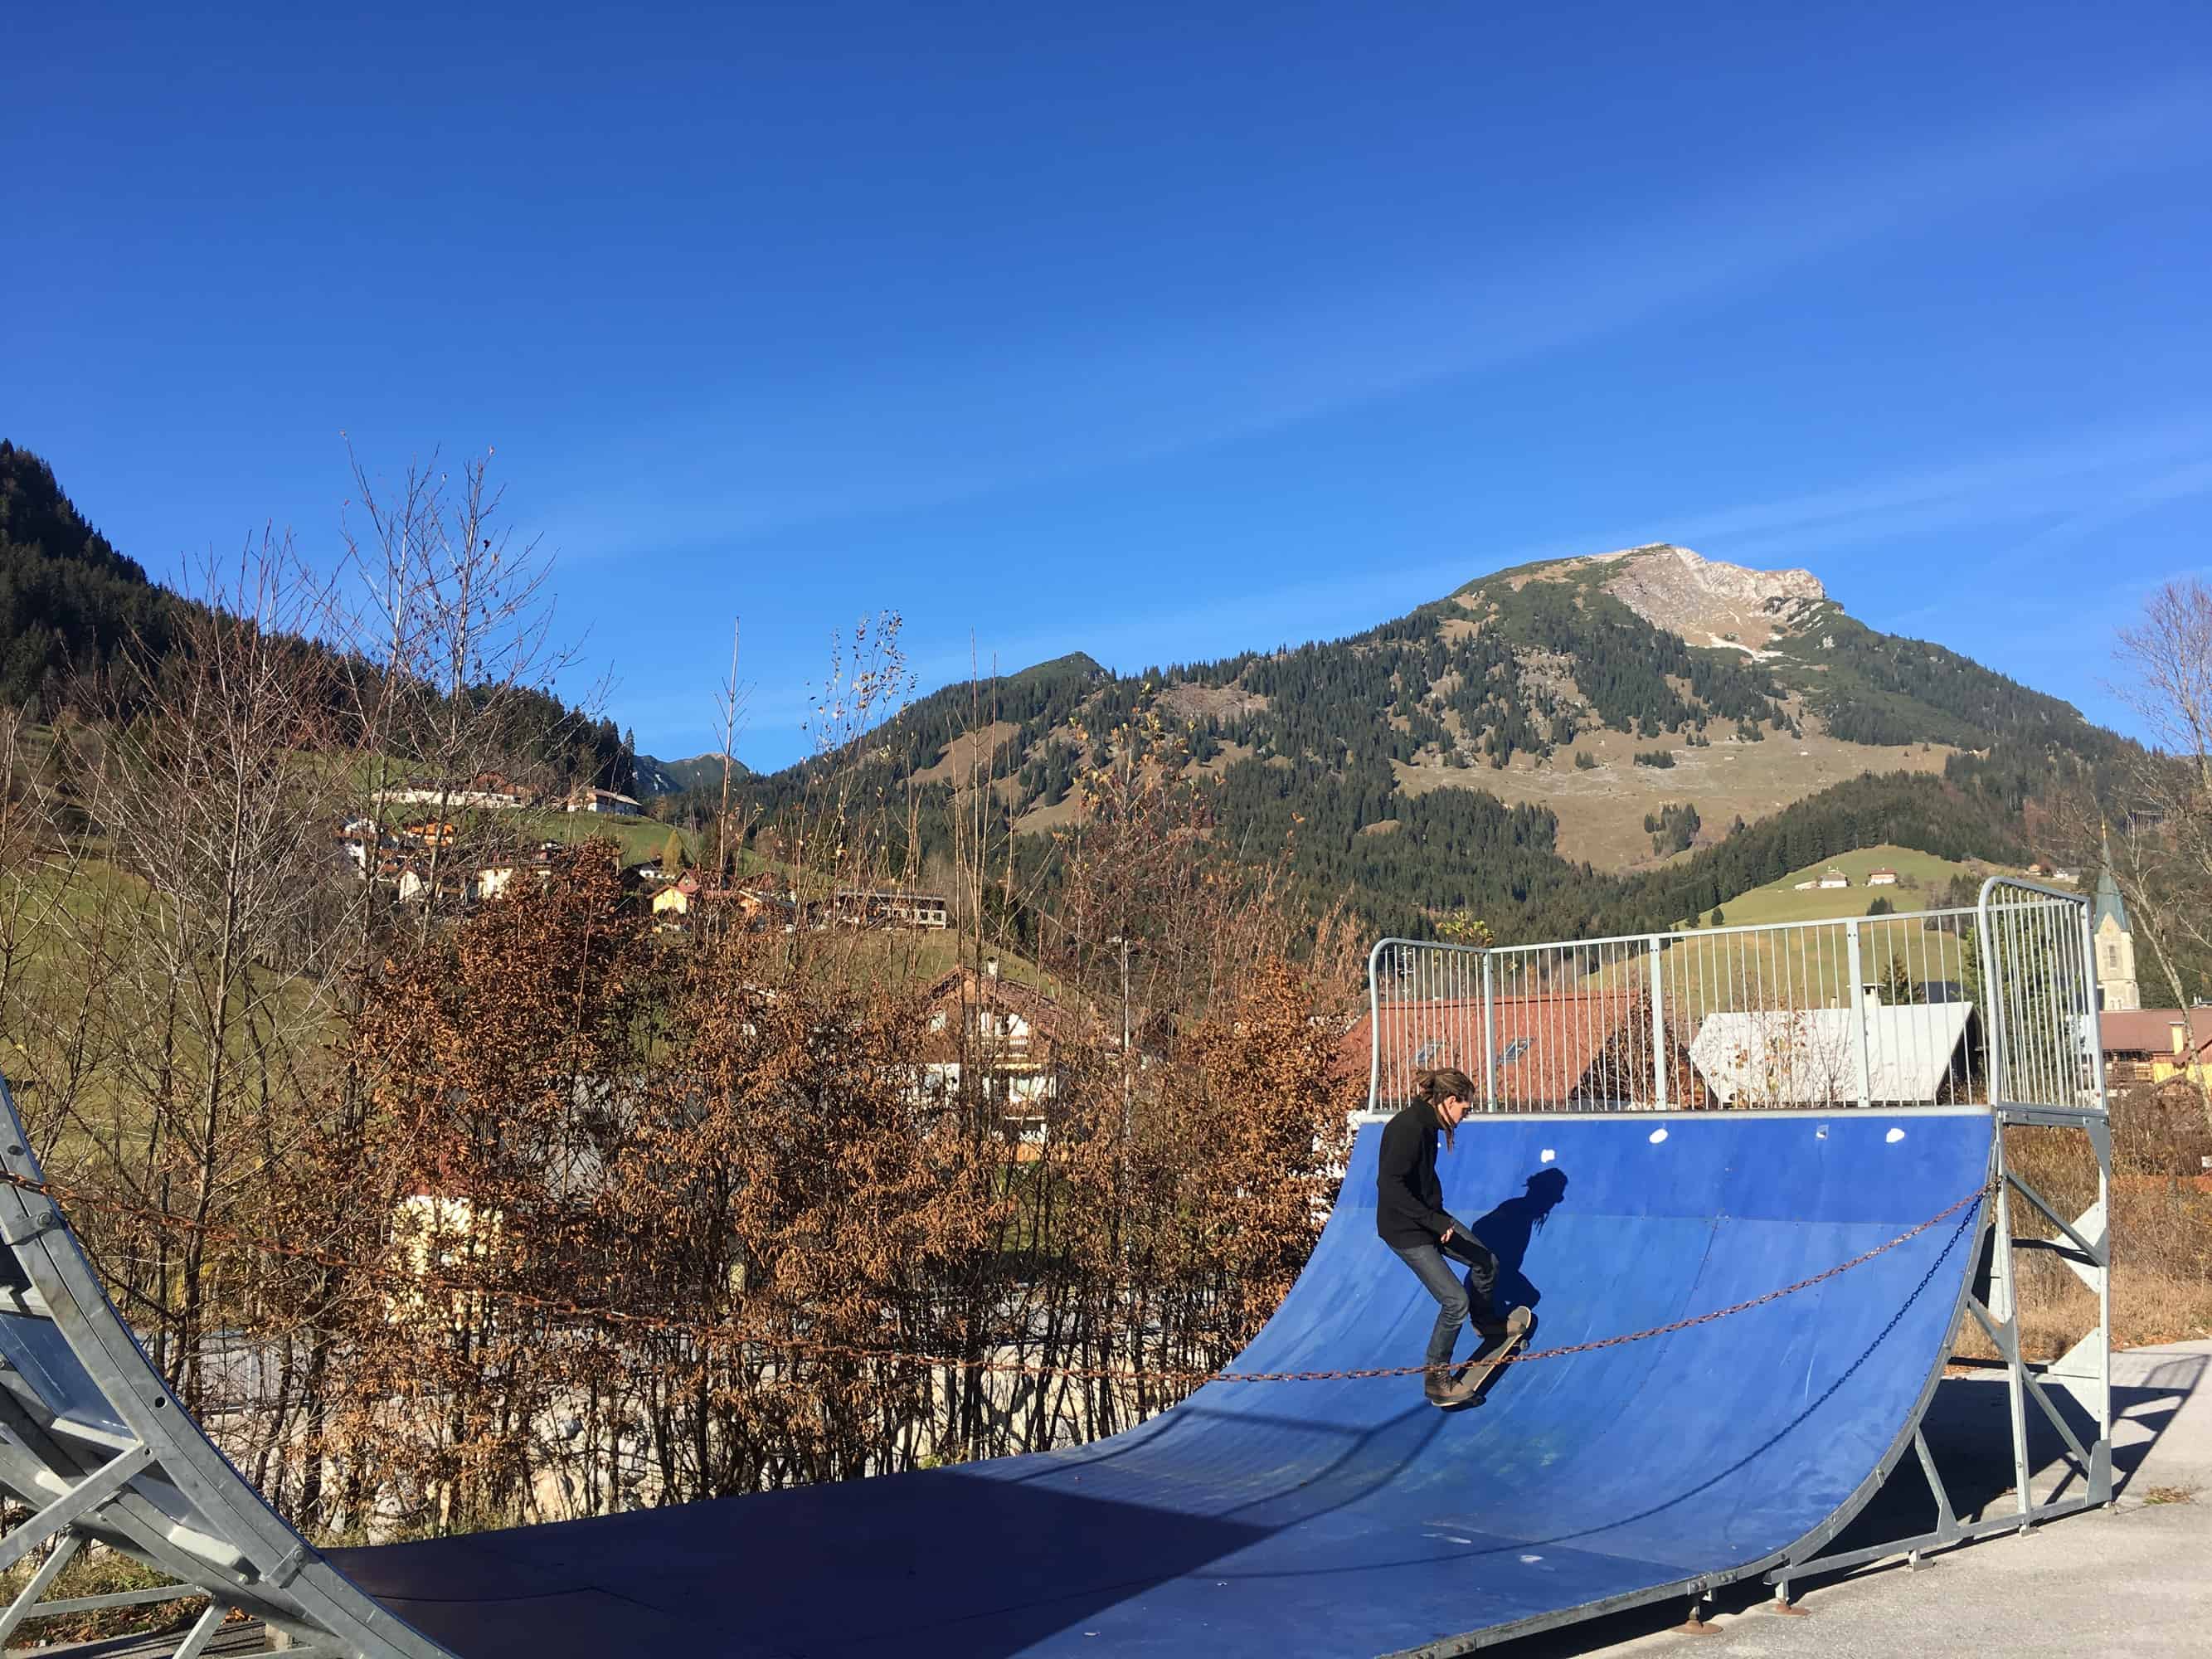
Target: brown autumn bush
x=534, y=1212
x=2160, y=1131
x=495, y=1060
x=645, y=1220
x=2160, y=1226
x=785, y=1181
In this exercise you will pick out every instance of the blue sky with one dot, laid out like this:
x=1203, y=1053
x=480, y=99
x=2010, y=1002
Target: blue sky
x=1157, y=333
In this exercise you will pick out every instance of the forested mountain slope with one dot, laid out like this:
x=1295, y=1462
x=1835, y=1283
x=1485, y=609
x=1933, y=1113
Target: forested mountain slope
x=70, y=602
x=1622, y=740
x=1613, y=742
x=67, y=598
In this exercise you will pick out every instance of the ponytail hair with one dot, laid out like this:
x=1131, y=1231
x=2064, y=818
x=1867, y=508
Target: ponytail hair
x=1444, y=1084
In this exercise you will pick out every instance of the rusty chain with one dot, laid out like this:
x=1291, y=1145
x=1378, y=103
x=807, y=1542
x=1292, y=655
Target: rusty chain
x=55, y=1193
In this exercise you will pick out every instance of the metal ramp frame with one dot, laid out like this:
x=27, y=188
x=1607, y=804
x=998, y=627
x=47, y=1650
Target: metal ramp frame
x=1502, y=1015
x=1998, y=1317
x=97, y=1446
x=2043, y=1040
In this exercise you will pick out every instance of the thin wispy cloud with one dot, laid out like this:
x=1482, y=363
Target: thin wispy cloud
x=2180, y=483
x=2083, y=484
x=1225, y=626
x=1045, y=411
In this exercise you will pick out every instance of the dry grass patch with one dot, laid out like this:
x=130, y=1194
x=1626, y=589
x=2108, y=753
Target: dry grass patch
x=97, y=1570
x=2161, y=1231
x=1068, y=810
x=1186, y=700
x=969, y=753
x=1602, y=809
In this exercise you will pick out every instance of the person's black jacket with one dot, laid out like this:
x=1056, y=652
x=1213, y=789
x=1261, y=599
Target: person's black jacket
x=1409, y=1198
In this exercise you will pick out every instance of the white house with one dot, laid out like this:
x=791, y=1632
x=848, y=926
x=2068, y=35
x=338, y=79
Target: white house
x=495, y=879
x=359, y=837
x=894, y=908
x=1834, y=878
x=487, y=800
x=1810, y=1056
x=1881, y=878
x=606, y=801
x=1006, y=1032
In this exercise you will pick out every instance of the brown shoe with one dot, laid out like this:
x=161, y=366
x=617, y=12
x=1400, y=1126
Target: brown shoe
x=1436, y=1385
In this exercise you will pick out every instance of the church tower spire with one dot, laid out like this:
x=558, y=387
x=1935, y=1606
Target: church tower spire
x=2114, y=940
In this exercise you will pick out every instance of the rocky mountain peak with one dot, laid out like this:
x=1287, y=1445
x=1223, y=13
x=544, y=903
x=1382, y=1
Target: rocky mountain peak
x=1708, y=602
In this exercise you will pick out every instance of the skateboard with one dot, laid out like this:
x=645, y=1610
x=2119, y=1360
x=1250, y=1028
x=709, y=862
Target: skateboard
x=1467, y=1386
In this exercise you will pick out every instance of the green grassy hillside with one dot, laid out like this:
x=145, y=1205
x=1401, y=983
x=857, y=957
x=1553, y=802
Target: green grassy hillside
x=1921, y=880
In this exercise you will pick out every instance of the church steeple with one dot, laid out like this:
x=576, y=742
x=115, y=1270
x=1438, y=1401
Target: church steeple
x=2115, y=941
x=2109, y=902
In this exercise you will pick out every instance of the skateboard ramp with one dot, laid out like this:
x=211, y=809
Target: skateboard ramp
x=1338, y=1517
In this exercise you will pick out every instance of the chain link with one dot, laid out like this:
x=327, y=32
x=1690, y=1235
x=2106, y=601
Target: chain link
x=55, y=1193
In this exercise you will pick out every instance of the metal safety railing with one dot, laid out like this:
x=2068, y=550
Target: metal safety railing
x=2042, y=995
x=1993, y=1003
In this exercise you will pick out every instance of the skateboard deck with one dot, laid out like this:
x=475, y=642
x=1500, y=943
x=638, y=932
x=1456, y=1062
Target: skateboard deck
x=1467, y=1386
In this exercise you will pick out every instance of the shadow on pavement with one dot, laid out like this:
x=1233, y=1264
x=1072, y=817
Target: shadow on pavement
x=1968, y=1431
x=1969, y=1434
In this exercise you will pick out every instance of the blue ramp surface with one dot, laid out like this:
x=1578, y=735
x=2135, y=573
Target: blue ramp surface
x=1351, y=1517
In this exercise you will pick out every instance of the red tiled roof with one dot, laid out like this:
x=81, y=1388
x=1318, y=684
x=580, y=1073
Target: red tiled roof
x=1547, y=1047
x=961, y=992
x=2150, y=1031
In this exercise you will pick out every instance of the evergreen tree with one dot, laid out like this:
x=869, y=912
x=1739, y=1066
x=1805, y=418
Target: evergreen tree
x=1896, y=988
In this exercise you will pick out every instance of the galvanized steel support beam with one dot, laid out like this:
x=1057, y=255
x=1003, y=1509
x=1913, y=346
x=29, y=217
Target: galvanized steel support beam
x=92, y=1394
x=203, y=1632
x=41, y=1580
x=1967, y=1532
x=151, y=1597
x=88, y=1494
x=1946, y=1521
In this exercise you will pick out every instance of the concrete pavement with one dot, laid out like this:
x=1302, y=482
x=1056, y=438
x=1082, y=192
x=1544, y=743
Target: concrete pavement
x=2133, y=1582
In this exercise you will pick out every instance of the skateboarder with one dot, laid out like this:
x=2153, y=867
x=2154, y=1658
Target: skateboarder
x=1409, y=1213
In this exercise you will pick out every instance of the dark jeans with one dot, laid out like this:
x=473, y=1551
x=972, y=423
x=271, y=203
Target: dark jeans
x=1455, y=1301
